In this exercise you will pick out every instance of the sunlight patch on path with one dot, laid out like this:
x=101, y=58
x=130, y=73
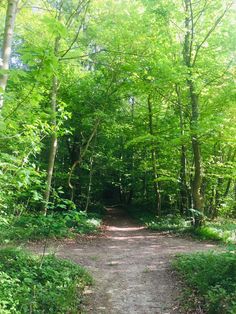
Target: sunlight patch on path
x=124, y=229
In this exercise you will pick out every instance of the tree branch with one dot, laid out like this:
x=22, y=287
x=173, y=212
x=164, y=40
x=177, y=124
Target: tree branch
x=20, y=103
x=77, y=162
x=78, y=31
x=211, y=30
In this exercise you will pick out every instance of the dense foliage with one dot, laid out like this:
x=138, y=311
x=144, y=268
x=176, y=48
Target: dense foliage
x=39, y=285
x=212, y=277
x=220, y=230
x=126, y=101
x=109, y=101
x=57, y=225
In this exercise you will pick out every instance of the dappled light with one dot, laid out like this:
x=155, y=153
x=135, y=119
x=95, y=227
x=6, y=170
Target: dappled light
x=131, y=266
x=124, y=229
x=118, y=153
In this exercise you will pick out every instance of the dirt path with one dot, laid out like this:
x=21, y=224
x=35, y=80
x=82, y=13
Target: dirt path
x=131, y=267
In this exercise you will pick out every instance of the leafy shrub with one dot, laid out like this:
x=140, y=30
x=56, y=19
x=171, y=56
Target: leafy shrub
x=168, y=223
x=205, y=233
x=213, y=277
x=82, y=222
x=29, y=284
x=164, y=223
x=55, y=225
x=218, y=230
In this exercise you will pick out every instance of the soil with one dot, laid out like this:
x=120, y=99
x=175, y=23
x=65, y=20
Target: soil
x=131, y=267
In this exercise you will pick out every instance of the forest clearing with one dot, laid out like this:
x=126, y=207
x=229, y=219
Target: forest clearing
x=117, y=156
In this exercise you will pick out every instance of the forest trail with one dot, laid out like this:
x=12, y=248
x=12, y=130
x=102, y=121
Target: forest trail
x=130, y=265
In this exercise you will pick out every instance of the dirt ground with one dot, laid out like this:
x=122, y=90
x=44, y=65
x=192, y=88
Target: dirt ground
x=130, y=265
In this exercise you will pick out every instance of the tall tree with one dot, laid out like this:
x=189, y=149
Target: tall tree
x=11, y=13
x=154, y=158
x=80, y=8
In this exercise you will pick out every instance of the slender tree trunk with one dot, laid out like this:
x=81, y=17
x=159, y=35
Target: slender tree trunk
x=53, y=145
x=194, y=107
x=220, y=194
x=90, y=182
x=197, y=179
x=231, y=158
x=132, y=188
x=82, y=154
x=154, y=160
x=184, y=195
x=144, y=189
x=7, y=45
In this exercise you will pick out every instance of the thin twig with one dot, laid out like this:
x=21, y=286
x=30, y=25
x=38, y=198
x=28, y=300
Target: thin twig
x=20, y=103
x=78, y=32
x=211, y=30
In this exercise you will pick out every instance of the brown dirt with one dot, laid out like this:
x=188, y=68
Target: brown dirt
x=130, y=265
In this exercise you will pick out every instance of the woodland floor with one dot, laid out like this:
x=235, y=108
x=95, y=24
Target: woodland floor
x=130, y=265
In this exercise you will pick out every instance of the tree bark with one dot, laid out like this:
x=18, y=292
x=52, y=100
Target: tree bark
x=197, y=178
x=154, y=160
x=54, y=142
x=194, y=108
x=90, y=181
x=7, y=46
x=184, y=194
x=82, y=154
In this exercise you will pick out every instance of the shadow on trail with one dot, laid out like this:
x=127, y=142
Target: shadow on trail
x=117, y=218
x=131, y=267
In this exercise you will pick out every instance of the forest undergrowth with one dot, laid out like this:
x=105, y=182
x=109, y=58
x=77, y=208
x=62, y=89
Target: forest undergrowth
x=56, y=225
x=39, y=284
x=129, y=102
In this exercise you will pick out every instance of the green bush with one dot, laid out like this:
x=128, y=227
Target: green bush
x=205, y=233
x=213, y=277
x=29, y=284
x=168, y=223
x=54, y=225
x=165, y=223
x=82, y=222
x=220, y=229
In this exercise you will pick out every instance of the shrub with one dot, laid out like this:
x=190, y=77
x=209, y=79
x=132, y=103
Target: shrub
x=168, y=223
x=29, y=284
x=218, y=230
x=213, y=277
x=165, y=223
x=54, y=225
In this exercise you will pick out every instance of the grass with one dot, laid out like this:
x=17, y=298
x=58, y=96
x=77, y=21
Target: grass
x=169, y=222
x=211, y=277
x=29, y=284
x=54, y=225
x=221, y=229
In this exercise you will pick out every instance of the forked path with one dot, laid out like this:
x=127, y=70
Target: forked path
x=131, y=267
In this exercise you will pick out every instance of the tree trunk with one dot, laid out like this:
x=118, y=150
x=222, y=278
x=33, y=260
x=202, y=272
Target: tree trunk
x=82, y=154
x=7, y=45
x=154, y=160
x=197, y=179
x=194, y=108
x=90, y=183
x=53, y=145
x=184, y=194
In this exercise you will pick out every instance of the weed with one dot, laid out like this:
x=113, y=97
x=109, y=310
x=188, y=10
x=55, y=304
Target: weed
x=30, y=286
x=213, y=277
x=54, y=225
